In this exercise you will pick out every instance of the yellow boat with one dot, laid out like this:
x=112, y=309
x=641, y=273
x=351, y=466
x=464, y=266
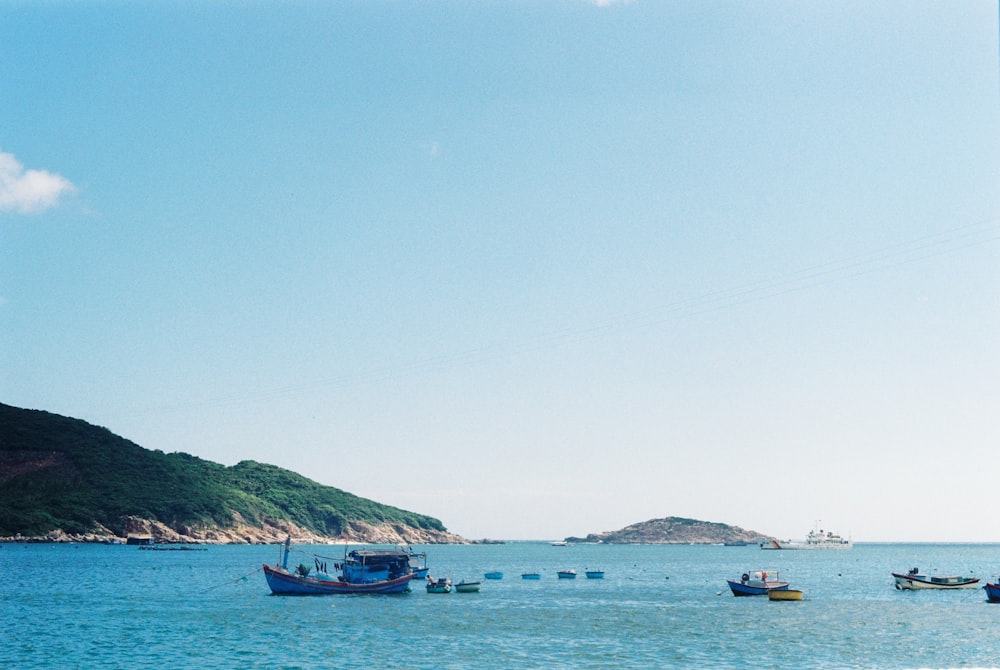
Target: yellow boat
x=784, y=594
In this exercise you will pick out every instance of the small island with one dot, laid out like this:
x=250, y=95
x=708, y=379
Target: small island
x=675, y=530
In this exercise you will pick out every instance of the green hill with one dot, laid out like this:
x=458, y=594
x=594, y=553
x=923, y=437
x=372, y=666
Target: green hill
x=63, y=474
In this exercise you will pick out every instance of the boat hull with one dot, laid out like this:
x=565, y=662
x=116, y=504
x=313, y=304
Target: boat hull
x=285, y=583
x=921, y=582
x=595, y=574
x=467, y=587
x=439, y=589
x=567, y=574
x=531, y=575
x=494, y=575
x=992, y=592
x=784, y=594
x=755, y=588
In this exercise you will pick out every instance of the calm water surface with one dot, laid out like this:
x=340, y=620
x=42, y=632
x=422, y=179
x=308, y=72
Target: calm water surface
x=89, y=606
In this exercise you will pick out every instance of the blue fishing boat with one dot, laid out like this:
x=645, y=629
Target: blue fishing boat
x=496, y=574
x=531, y=575
x=361, y=571
x=756, y=583
x=992, y=592
x=595, y=574
x=567, y=574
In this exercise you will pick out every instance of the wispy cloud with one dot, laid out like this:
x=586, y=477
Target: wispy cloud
x=29, y=191
x=608, y=3
x=432, y=149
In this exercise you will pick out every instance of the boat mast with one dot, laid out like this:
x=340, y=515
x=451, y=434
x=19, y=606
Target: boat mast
x=284, y=558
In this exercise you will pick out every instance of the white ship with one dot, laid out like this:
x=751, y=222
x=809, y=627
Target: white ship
x=817, y=539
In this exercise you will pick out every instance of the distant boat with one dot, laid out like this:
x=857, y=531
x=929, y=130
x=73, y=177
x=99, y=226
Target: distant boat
x=913, y=580
x=595, y=574
x=756, y=583
x=418, y=565
x=467, y=587
x=817, y=539
x=361, y=571
x=440, y=585
x=567, y=574
x=993, y=592
x=558, y=543
x=784, y=594
x=531, y=575
x=494, y=575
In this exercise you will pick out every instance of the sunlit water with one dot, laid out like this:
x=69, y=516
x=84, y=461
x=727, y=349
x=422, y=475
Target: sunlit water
x=89, y=606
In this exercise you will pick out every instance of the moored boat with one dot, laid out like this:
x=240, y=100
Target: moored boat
x=756, y=583
x=496, y=574
x=784, y=594
x=567, y=574
x=993, y=592
x=595, y=574
x=418, y=565
x=466, y=587
x=914, y=580
x=439, y=585
x=361, y=571
x=530, y=575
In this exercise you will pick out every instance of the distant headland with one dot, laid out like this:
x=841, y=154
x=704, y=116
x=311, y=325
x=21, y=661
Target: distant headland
x=63, y=479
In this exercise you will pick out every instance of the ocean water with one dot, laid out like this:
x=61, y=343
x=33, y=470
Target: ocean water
x=97, y=606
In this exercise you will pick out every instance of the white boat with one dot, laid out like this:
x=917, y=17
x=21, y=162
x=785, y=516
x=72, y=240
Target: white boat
x=817, y=539
x=913, y=580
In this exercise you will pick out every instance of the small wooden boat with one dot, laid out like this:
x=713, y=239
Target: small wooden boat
x=467, y=587
x=993, y=592
x=784, y=594
x=914, y=580
x=567, y=574
x=531, y=575
x=496, y=574
x=439, y=585
x=756, y=583
x=595, y=574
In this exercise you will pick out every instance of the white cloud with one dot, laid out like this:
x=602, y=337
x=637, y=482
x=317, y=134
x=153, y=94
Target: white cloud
x=608, y=3
x=432, y=149
x=29, y=191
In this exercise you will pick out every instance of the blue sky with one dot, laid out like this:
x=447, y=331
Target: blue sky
x=535, y=268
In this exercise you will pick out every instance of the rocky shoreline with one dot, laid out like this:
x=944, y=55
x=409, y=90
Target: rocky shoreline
x=357, y=532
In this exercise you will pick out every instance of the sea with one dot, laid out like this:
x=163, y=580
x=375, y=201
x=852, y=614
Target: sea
x=658, y=606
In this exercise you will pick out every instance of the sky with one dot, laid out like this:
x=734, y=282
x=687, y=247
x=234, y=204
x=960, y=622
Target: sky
x=536, y=268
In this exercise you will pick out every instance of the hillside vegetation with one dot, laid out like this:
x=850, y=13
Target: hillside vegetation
x=63, y=474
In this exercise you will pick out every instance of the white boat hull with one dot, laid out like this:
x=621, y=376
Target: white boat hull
x=921, y=582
